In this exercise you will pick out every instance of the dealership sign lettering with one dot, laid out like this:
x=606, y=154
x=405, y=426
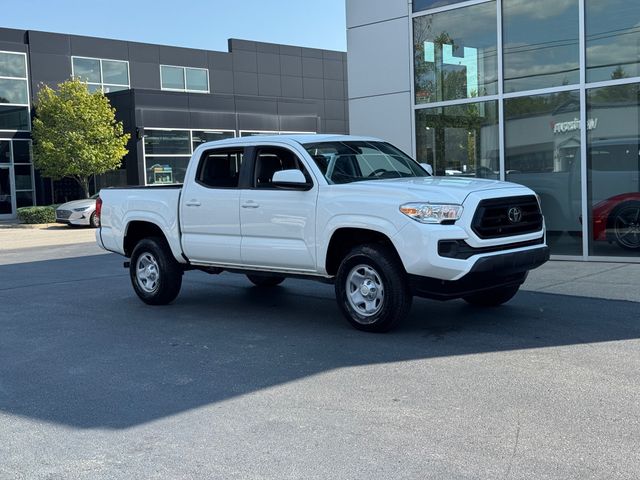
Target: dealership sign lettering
x=573, y=125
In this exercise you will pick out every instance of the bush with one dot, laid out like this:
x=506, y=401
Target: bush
x=37, y=215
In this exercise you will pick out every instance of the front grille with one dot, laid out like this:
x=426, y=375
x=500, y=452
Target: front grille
x=492, y=218
x=63, y=214
x=462, y=250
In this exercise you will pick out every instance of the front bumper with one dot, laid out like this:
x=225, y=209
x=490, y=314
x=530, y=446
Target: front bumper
x=487, y=273
x=75, y=218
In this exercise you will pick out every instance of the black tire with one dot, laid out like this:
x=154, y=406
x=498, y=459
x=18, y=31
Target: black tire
x=386, y=312
x=492, y=298
x=94, y=222
x=165, y=286
x=265, y=280
x=624, y=223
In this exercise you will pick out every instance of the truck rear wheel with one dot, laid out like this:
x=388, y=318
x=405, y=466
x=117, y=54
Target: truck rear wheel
x=371, y=289
x=155, y=275
x=493, y=297
x=265, y=280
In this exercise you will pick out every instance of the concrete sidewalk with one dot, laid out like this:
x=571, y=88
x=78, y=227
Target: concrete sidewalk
x=616, y=281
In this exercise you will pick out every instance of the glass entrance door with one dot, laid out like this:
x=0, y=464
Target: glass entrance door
x=6, y=193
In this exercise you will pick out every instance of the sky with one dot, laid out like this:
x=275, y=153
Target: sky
x=188, y=23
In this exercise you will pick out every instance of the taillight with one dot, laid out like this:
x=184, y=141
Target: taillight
x=98, y=208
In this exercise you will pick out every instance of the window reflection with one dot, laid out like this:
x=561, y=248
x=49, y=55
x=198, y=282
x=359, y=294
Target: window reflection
x=460, y=140
x=613, y=162
x=541, y=47
x=542, y=151
x=453, y=57
x=613, y=39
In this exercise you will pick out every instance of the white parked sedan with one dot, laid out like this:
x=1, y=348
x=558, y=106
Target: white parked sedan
x=79, y=212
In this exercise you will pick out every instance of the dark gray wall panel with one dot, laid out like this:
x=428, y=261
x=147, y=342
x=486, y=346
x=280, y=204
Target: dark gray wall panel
x=219, y=103
x=332, y=55
x=159, y=99
x=49, y=68
x=290, y=50
x=333, y=69
x=212, y=121
x=312, y=67
x=236, y=44
x=313, y=88
x=43, y=42
x=144, y=52
x=311, y=52
x=291, y=65
x=184, y=57
x=334, y=109
x=152, y=117
x=13, y=47
x=269, y=85
x=245, y=61
x=301, y=108
x=99, y=47
x=299, y=124
x=12, y=35
x=269, y=63
x=144, y=75
x=257, y=121
x=334, y=90
x=257, y=105
x=245, y=83
x=268, y=48
x=335, y=126
x=221, y=81
x=291, y=87
x=220, y=61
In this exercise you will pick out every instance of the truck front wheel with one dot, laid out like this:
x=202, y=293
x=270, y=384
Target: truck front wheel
x=371, y=288
x=155, y=275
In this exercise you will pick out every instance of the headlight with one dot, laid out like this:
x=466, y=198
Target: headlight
x=82, y=209
x=432, y=212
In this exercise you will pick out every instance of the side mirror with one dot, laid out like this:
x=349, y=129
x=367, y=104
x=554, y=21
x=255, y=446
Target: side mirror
x=428, y=168
x=293, y=179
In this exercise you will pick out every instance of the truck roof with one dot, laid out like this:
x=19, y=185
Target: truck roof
x=289, y=138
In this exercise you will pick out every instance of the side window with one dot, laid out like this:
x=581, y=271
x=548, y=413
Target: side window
x=270, y=160
x=220, y=168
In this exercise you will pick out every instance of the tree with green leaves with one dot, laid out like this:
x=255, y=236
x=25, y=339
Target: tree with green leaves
x=75, y=134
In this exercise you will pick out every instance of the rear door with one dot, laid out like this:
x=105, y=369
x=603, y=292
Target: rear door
x=278, y=225
x=209, y=209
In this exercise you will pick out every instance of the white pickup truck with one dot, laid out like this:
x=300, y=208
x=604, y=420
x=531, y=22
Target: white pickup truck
x=352, y=211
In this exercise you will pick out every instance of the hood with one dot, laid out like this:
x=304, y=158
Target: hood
x=85, y=202
x=439, y=189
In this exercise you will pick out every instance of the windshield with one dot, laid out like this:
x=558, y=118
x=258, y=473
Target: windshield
x=353, y=161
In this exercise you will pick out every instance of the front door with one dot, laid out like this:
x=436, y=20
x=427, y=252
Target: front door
x=7, y=197
x=278, y=225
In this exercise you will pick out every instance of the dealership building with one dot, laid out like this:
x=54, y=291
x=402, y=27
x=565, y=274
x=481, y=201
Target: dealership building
x=170, y=99
x=543, y=93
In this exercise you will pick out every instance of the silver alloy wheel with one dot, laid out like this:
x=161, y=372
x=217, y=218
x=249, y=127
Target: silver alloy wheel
x=365, y=291
x=627, y=227
x=147, y=273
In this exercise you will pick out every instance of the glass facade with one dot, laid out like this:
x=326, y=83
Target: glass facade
x=167, y=152
x=564, y=123
x=14, y=92
x=184, y=79
x=101, y=74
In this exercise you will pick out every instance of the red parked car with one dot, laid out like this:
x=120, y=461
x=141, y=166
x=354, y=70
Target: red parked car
x=617, y=219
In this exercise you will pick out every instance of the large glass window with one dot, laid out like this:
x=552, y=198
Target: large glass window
x=14, y=91
x=102, y=74
x=542, y=151
x=459, y=140
x=167, y=142
x=541, y=47
x=14, y=118
x=419, y=5
x=13, y=65
x=613, y=39
x=184, y=79
x=167, y=152
x=613, y=170
x=455, y=54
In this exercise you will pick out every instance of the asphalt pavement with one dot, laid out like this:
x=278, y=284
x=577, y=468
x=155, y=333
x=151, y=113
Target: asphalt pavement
x=235, y=382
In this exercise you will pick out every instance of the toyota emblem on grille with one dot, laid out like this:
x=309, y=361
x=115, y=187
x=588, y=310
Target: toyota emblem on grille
x=515, y=214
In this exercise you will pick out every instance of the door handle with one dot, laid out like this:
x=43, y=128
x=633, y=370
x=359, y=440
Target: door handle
x=250, y=204
x=192, y=203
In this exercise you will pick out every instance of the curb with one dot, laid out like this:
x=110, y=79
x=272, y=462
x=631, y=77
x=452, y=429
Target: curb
x=28, y=225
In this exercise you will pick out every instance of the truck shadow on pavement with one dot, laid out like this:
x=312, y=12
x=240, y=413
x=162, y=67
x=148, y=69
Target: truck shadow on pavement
x=78, y=348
